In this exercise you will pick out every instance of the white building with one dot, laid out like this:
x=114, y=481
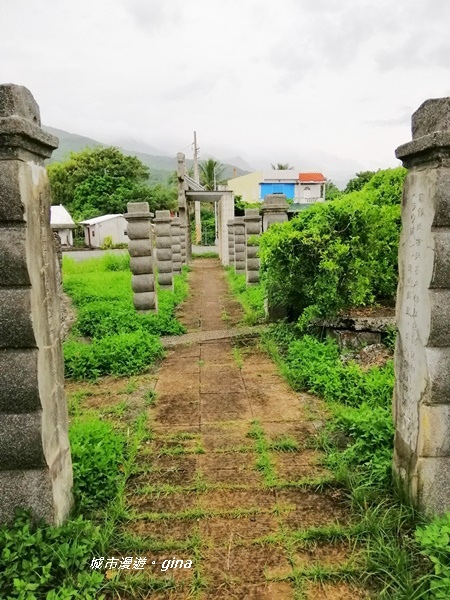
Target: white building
x=62, y=223
x=96, y=230
x=311, y=188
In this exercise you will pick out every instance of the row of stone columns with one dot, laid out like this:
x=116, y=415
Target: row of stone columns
x=165, y=256
x=242, y=245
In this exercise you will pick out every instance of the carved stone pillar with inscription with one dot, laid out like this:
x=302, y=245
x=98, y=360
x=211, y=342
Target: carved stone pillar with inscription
x=35, y=463
x=422, y=355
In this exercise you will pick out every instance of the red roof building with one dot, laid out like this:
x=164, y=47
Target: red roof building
x=311, y=178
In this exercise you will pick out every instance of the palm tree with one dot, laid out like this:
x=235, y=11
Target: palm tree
x=281, y=167
x=211, y=174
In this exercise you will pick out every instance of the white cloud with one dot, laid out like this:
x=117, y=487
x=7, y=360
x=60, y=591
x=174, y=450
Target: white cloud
x=330, y=82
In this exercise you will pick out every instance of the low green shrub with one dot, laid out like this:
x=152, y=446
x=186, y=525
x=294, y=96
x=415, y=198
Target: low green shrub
x=97, y=453
x=37, y=561
x=434, y=542
x=121, y=354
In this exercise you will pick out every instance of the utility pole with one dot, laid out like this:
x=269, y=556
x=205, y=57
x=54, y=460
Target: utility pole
x=197, y=211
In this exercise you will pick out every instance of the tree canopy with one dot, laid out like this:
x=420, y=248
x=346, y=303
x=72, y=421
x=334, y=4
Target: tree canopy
x=359, y=181
x=98, y=181
x=282, y=167
x=211, y=174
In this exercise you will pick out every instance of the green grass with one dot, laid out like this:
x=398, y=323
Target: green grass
x=251, y=298
x=198, y=255
x=109, y=336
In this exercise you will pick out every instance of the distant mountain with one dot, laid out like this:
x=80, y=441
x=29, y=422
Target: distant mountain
x=161, y=166
x=239, y=162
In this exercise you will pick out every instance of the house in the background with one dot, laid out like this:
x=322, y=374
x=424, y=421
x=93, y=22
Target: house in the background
x=246, y=186
x=301, y=188
x=62, y=223
x=98, y=229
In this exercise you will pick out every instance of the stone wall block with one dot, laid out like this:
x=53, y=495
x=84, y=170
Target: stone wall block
x=144, y=301
x=16, y=325
x=438, y=391
x=141, y=265
x=165, y=280
x=253, y=264
x=26, y=488
x=433, y=483
x=13, y=264
x=434, y=439
x=441, y=267
x=11, y=207
x=17, y=382
x=440, y=318
x=137, y=230
x=21, y=441
x=165, y=255
x=142, y=283
x=140, y=247
x=164, y=243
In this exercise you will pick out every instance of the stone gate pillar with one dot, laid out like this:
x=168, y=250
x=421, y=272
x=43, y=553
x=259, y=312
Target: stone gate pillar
x=252, y=222
x=183, y=210
x=176, y=245
x=239, y=245
x=230, y=226
x=183, y=228
x=274, y=209
x=141, y=261
x=422, y=355
x=163, y=244
x=35, y=463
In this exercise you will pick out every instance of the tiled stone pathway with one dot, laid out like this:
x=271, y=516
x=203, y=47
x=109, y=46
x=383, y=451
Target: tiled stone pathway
x=215, y=483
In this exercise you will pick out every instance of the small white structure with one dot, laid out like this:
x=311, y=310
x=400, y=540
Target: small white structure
x=311, y=188
x=96, y=230
x=62, y=223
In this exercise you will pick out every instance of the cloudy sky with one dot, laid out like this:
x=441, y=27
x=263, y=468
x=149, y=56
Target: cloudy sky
x=328, y=85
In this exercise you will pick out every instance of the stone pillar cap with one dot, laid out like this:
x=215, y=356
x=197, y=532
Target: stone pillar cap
x=230, y=222
x=162, y=216
x=138, y=210
x=252, y=214
x=430, y=126
x=20, y=122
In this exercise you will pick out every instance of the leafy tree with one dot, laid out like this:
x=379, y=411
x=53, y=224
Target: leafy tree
x=211, y=174
x=331, y=190
x=97, y=181
x=282, y=167
x=358, y=182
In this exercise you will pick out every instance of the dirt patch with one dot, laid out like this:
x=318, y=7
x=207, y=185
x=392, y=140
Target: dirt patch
x=335, y=591
x=217, y=352
x=293, y=466
x=307, y=509
x=163, y=502
x=236, y=499
x=242, y=531
x=218, y=437
x=235, y=468
x=164, y=531
x=233, y=406
x=171, y=470
x=182, y=408
x=325, y=554
x=227, y=567
x=272, y=590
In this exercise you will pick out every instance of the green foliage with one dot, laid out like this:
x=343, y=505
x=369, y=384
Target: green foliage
x=107, y=243
x=240, y=206
x=121, y=341
x=434, y=542
x=97, y=453
x=121, y=354
x=282, y=167
x=336, y=254
x=211, y=174
x=100, y=180
x=359, y=181
x=331, y=190
x=250, y=297
x=37, y=561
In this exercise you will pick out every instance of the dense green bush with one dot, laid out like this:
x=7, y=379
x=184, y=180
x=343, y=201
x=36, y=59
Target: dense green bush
x=434, y=541
x=121, y=354
x=97, y=453
x=121, y=341
x=37, y=561
x=337, y=254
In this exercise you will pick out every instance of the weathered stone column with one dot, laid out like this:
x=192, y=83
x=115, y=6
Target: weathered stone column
x=183, y=210
x=422, y=356
x=141, y=261
x=162, y=223
x=239, y=245
x=183, y=243
x=230, y=226
x=176, y=245
x=274, y=209
x=252, y=222
x=35, y=463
